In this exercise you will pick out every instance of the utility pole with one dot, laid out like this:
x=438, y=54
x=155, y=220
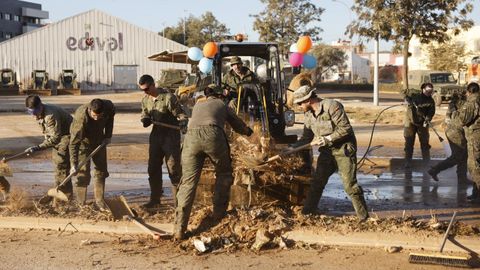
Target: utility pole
x=185, y=27
x=375, y=73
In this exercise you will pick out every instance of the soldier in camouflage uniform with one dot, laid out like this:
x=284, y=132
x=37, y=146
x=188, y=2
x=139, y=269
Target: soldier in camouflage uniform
x=92, y=126
x=159, y=105
x=206, y=138
x=420, y=111
x=327, y=124
x=55, y=125
x=469, y=116
x=458, y=143
x=237, y=75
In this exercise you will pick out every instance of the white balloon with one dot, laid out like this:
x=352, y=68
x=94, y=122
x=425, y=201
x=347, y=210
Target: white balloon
x=262, y=72
x=293, y=47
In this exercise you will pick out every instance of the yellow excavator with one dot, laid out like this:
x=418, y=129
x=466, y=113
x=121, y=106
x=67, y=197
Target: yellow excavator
x=68, y=84
x=9, y=85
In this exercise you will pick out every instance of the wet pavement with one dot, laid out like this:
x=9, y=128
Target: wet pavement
x=387, y=194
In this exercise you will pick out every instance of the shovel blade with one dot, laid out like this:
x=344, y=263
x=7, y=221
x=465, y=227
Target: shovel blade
x=58, y=194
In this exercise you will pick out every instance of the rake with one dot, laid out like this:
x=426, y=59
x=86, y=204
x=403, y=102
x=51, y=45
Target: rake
x=441, y=259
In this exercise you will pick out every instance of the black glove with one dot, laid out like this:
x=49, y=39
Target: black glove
x=32, y=149
x=146, y=122
x=249, y=132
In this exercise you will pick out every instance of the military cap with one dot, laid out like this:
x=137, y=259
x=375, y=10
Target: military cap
x=235, y=60
x=302, y=93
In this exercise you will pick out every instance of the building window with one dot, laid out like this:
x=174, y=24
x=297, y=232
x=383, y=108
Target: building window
x=1, y=34
x=8, y=35
x=16, y=18
x=1, y=15
x=7, y=16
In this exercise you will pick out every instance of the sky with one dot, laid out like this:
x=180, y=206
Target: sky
x=154, y=15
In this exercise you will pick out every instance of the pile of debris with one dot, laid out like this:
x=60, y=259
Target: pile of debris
x=265, y=227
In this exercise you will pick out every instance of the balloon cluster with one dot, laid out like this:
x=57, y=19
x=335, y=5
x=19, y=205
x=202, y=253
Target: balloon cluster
x=205, y=57
x=299, y=56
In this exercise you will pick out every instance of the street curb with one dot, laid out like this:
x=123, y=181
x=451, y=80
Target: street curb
x=80, y=225
x=383, y=240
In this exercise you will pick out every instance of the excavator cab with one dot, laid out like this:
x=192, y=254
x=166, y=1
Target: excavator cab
x=263, y=99
x=9, y=85
x=68, y=84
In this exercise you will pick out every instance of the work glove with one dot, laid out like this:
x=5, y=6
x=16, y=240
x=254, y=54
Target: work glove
x=73, y=170
x=107, y=141
x=146, y=122
x=183, y=124
x=321, y=141
x=32, y=149
x=249, y=132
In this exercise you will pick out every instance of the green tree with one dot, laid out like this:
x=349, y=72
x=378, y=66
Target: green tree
x=198, y=30
x=328, y=59
x=400, y=20
x=448, y=56
x=283, y=21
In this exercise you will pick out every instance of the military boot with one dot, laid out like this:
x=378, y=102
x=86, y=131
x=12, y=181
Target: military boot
x=98, y=192
x=80, y=195
x=433, y=173
x=475, y=197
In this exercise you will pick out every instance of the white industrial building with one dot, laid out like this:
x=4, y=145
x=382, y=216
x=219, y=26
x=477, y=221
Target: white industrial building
x=116, y=58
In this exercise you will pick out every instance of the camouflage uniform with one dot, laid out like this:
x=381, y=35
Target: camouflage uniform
x=339, y=155
x=470, y=118
x=420, y=108
x=86, y=135
x=164, y=141
x=55, y=124
x=206, y=138
x=458, y=143
x=232, y=81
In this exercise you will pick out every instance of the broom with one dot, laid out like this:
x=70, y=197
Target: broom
x=441, y=259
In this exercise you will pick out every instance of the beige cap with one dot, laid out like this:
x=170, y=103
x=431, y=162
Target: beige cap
x=302, y=93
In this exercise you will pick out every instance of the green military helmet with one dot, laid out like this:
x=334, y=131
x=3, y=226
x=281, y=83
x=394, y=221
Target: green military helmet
x=213, y=88
x=236, y=60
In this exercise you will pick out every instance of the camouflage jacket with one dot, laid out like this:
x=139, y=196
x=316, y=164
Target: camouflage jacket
x=164, y=108
x=331, y=121
x=469, y=114
x=55, y=123
x=420, y=108
x=231, y=81
x=214, y=112
x=85, y=130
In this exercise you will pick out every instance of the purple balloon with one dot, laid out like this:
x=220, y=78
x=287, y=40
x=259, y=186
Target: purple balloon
x=295, y=59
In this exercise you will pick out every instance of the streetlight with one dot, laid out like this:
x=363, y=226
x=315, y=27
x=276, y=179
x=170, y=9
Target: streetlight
x=351, y=43
x=184, y=27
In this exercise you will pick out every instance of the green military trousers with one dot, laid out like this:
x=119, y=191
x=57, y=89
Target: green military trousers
x=458, y=145
x=164, y=144
x=99, y=161
x=61, y=163
x=473, y=143
x=409, y=132
x=343, y=160
x=200, y=143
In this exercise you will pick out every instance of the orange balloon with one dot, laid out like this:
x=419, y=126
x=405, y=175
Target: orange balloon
x=210, y=49
x=304, y=44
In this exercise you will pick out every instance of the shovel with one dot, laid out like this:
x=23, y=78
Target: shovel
x=56, y=192
x=446, y=146
x=253, y=162
x=120, y=209
x=165, y=125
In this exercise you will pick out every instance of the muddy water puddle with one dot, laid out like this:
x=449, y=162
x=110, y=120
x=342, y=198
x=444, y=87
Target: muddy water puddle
x=384, y=191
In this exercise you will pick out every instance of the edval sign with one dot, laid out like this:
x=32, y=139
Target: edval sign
x=105, y=44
